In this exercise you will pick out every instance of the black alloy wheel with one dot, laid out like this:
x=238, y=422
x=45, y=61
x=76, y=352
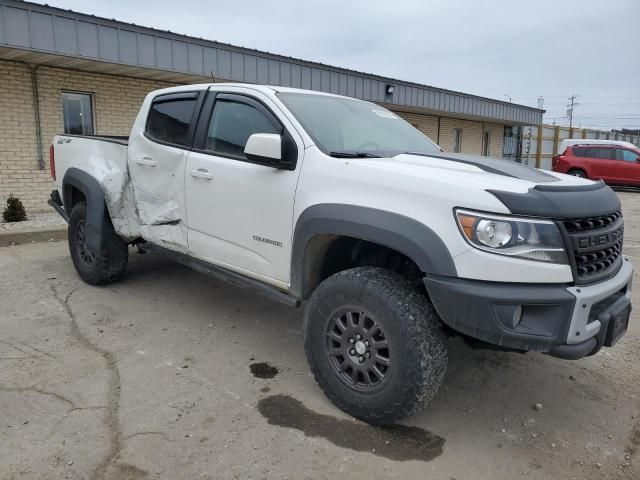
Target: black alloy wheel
x=358, y=350
x=84, y=253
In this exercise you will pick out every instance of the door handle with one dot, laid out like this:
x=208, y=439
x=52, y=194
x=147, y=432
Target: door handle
x=148, y=161
x=201, y=173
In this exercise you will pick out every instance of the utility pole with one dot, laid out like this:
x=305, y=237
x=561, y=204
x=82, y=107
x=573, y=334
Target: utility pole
x=570, y=108
x=540, y=103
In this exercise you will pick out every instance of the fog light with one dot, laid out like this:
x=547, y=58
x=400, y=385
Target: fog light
x=517, y=316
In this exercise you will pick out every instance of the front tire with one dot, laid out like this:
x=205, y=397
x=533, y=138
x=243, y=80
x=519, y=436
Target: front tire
x=107, y=265
x=375, y=344
x=577, y=173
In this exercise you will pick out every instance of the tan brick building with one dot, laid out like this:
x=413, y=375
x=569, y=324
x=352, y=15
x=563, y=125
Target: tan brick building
x=61, y=70
x=115, y=99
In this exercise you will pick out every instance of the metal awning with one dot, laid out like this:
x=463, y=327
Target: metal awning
x=44, y=35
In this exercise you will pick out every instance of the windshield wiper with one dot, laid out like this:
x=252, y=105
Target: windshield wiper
x=353, y=155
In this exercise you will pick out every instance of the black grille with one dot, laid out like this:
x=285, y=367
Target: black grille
x=592, y=223
x=590, y=263
x=595, y=245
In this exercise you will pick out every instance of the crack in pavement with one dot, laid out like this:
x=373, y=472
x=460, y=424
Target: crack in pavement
x=161, y=434
x=113, y=391
x=26, y=353
x=97, y=407
x=39, y=350
x=41, y=392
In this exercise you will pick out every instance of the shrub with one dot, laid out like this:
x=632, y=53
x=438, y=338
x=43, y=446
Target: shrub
x=14, y=212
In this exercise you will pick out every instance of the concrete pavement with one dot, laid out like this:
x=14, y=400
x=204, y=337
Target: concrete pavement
x=152, y=378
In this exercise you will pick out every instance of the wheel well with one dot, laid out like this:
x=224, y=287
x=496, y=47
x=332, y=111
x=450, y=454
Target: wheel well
x=76, y=196
x=578, y=169
x=329, y=254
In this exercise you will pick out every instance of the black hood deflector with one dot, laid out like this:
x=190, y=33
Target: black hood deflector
x=546, y=199
x=499, y=167
x=561, y=202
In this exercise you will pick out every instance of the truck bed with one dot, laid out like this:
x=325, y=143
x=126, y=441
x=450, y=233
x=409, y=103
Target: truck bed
x=120, y=139
x=103, y=157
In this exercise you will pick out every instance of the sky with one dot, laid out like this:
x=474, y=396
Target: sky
x=513, y=51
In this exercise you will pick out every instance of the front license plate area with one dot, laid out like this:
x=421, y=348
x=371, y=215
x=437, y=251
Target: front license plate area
x=618, y=322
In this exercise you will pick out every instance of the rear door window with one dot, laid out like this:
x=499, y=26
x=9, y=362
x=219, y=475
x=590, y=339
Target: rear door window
x=170, y=118
x=602, y=153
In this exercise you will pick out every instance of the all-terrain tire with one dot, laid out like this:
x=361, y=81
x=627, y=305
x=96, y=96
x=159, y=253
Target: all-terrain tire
x=107, y=265
x=407, y=321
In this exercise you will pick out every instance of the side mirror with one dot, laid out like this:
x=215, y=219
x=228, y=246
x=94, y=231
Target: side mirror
x=272, y=149
x=264, y=148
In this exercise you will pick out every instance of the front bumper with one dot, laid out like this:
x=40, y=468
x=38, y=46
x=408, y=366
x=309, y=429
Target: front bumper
x=565, y=321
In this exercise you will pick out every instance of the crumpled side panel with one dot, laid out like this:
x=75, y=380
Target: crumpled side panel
x=157, y=186
x=107, y=163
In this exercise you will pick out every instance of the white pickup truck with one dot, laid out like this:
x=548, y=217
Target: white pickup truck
x=392, y=243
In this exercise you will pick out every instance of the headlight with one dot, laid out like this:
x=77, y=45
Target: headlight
x=531, y=239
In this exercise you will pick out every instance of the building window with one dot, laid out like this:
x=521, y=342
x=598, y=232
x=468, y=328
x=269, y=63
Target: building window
x=457, y=140
x=77, y=109
x=486, y=144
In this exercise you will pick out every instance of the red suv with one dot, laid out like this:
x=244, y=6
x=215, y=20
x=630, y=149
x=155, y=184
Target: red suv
x=615, y=164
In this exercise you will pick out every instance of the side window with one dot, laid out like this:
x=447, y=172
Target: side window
x=626, y=155
x=231, y=125
x=580, y=152
x=602, y=153
x=169, y=119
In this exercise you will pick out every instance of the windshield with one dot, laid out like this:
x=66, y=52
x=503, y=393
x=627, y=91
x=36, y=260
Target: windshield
x=345, y=127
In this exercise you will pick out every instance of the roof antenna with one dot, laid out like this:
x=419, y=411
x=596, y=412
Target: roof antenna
x=212, y=79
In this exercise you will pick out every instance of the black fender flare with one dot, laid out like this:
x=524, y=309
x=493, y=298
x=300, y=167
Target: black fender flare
x=92, y=191
x=403, y=234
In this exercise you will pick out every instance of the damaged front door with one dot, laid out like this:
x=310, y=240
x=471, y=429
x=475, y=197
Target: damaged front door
x=157, y=159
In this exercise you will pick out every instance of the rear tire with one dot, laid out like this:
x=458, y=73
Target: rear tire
x=375, y=344
x=577, y=173
x=96, y=268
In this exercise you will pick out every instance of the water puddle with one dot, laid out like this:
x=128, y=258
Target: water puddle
x=263, y=370
x=397, y=442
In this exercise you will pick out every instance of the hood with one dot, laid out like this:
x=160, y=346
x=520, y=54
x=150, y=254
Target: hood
x=522, y=189
x=551, y=195
x=503, y=168
x=472, y=170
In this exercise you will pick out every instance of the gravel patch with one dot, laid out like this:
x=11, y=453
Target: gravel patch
x=35, y=220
